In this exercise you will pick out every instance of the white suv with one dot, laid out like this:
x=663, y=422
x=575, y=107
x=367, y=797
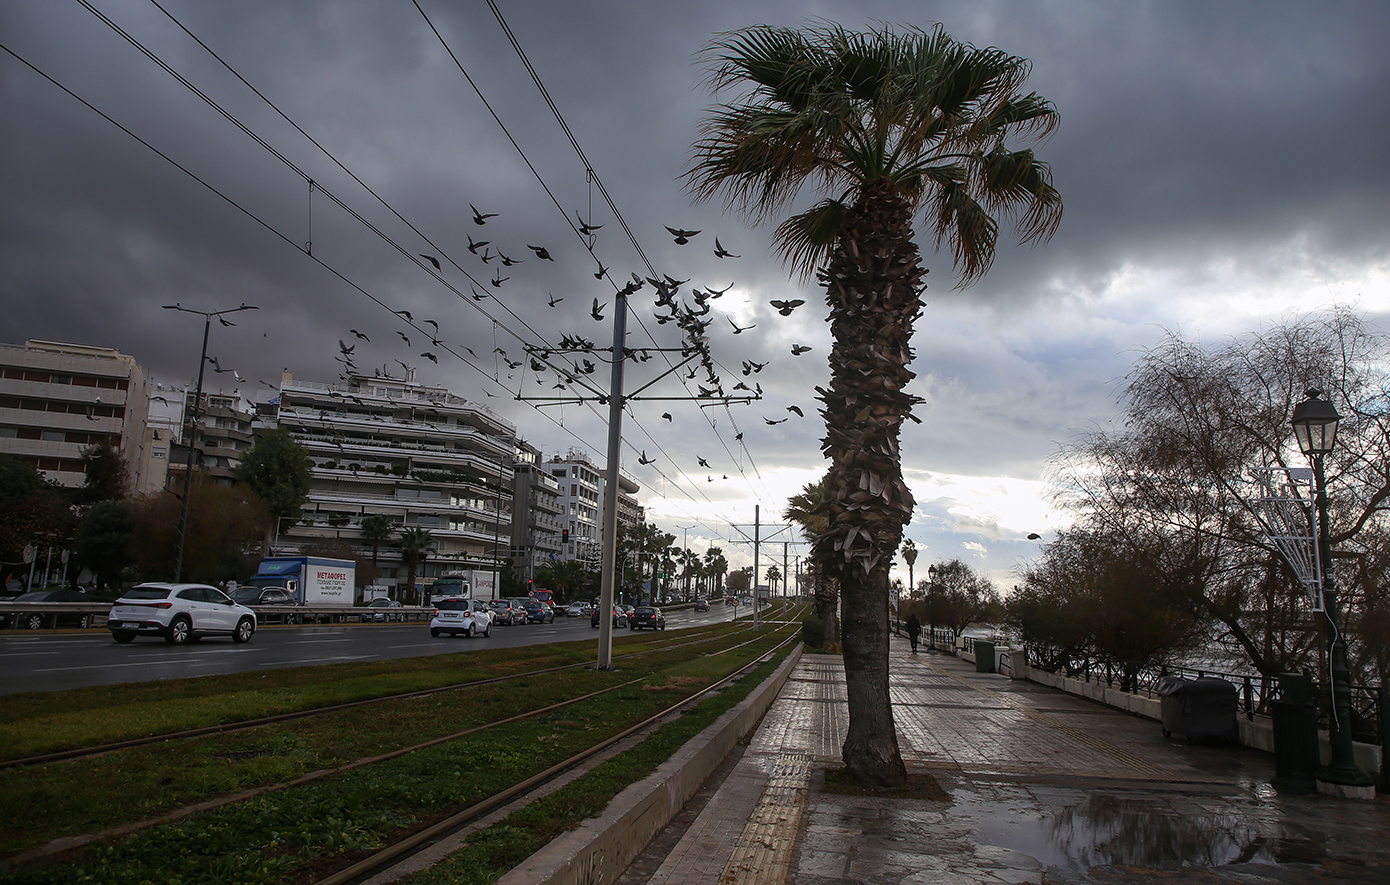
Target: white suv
x=180, y=613
x=456, y=615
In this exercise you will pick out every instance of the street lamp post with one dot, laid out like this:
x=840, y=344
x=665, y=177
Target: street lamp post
x=207, y=316
x=1315, y=425
x=931, y=603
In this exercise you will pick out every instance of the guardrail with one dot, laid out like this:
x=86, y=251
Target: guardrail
x=52, y=615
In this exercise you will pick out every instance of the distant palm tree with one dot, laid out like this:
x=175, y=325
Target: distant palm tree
x=377, y=528
x=416, y=545
x=891, y=124
x=807, y=509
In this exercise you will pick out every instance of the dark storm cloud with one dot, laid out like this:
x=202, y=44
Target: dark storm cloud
x=1195, y=138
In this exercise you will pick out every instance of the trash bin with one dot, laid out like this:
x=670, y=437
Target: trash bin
x=984, y=656
x=1295, y=726
x=1202, y=707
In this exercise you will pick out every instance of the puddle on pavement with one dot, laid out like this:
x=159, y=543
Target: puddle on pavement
x=1104, y=829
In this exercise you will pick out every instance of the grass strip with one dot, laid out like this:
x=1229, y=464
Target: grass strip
x=36, y=723
x=492, y=852
x=289, y=834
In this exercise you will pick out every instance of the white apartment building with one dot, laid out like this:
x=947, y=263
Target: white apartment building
x=414, y=452
x=581, y=505
x=58, y=400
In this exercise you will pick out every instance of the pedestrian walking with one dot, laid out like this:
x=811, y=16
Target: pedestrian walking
x=914, y=630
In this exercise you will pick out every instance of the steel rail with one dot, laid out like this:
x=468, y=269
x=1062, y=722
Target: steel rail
x=246, y=724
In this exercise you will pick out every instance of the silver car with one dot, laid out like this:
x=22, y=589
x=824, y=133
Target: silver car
x=456, y=615
x=180, y=613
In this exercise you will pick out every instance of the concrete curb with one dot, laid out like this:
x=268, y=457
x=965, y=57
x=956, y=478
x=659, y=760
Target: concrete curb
x=601, y=848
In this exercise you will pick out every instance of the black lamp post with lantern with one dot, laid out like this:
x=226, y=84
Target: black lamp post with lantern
x=1315, y=424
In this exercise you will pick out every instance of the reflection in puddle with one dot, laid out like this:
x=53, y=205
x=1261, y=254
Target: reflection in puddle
x=1106, y=829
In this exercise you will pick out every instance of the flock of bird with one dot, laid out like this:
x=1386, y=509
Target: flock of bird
x=575, y=356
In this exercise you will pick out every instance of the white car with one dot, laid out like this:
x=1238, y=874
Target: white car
x=180, y=613
x=457, y=615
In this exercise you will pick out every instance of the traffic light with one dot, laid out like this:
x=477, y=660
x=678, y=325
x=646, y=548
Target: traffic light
x=564, y=536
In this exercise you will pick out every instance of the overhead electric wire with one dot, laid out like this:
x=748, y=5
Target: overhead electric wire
x=598, y=182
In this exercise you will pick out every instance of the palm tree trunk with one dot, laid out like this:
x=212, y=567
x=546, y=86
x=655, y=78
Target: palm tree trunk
x=872, y=285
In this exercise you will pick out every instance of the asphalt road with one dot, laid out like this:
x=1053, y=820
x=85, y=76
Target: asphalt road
x=50, y=661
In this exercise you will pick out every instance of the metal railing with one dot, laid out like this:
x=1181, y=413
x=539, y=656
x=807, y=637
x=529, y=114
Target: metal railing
x=1256, y=691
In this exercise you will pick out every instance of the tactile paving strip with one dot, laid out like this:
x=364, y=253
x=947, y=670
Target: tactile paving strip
x=764, y=851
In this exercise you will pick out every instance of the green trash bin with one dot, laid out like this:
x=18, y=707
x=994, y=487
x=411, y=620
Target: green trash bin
x=984, y=656
x=1295, y=726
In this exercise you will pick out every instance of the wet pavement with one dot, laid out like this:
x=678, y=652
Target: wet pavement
x=1044, y=788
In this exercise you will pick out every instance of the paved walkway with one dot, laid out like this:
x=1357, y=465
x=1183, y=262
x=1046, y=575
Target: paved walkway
x=1044, y=788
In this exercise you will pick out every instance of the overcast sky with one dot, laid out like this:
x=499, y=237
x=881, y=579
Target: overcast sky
x=1222, y=166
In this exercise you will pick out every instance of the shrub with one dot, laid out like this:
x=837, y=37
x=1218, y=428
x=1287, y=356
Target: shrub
x=813, y=632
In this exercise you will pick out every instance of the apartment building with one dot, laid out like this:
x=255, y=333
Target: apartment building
x=581, y=505
x=58, y=400
x=536, y=523
x=225, y=434
x=417, y=453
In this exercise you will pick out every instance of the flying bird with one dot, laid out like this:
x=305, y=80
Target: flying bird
x=553, y=300
x=1033, y=536
x=752, y=368
x=478, y=296
x=360, y=335
x=479, y=217
x=601, y=272
x=644, y=459
x=474, y=247
x=342, y=345
x=797, y=410
x=798, y=350
x=406, y=314
x=160, y=399
x=506, y=261
x=584, y=227
x=721, y=252
x=431, y=357
x=431, y=259
x=433, y=323
x=715, y=293
x=597, y=312
x=778, y=421
x=702, y=462
x=682, y=236
x=739, y=329
x=403, y=337
x=785, y=308
x=498, y=280
x=541, y=252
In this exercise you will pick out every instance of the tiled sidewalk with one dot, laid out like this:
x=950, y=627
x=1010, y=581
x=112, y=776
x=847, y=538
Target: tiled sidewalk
x=1044, y=787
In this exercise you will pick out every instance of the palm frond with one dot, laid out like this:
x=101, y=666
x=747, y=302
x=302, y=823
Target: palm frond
x=804, y=241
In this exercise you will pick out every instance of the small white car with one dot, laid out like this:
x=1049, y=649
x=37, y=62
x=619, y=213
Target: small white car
x=457, y=615
x=180, y=613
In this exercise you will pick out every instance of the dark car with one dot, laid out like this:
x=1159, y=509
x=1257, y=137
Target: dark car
x=538, y=612
x=255, y=597
x=701, y=604
x=383, y=609
x=648, y=616
x=619, y=617
x=505, y=613
x=37, y=620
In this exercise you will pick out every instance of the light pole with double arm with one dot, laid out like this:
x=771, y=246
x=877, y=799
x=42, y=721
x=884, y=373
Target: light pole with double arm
x=1315, y=424
x=207, y=316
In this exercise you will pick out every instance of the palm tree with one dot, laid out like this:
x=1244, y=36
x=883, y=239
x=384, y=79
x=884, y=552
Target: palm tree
x=377, y=528
x=715, y=567
x=891, y=124
x=416, y=545
x=807, y=509
x=774, y=574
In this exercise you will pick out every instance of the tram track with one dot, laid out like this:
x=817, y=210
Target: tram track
x=67, y=844
x=262, y=721
x=378, y=864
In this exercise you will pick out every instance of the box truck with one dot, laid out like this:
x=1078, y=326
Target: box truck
x=313, y=581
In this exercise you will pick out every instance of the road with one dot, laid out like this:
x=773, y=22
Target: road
x=50, y=661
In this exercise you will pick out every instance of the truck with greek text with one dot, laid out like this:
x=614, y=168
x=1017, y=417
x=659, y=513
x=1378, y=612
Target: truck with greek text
x=313, y=581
